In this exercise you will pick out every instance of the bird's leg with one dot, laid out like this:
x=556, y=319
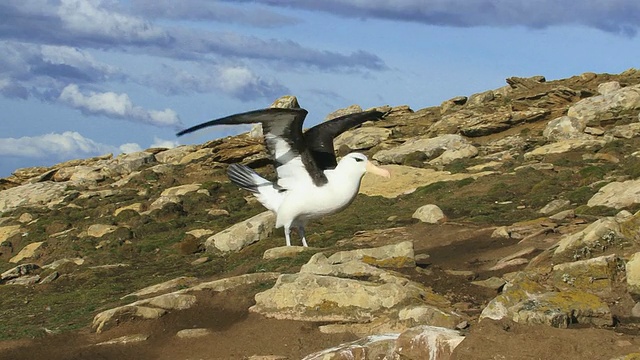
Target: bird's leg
x=301, y=233
x=287, y=235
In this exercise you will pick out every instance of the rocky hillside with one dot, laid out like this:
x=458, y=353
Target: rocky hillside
x=509, y=230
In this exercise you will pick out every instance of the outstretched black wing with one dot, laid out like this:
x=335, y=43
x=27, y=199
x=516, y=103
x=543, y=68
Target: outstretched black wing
x=285, y=142
x=319, y=138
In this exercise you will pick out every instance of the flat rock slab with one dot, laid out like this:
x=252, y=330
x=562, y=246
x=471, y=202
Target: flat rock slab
x=406, y=179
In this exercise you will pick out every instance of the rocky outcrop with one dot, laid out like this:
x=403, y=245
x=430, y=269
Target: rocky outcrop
x=362, y=138
x=524, y=300
x=607, y=106
x=439, y=150
x=45, y=194
x=347, y=287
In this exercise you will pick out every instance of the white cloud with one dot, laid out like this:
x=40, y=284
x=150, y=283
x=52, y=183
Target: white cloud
x=237, y=81
x=162, y=143
x=117, y=106
x=91, y=17
x=130, y=148
x=76, y=58
x=67, y=145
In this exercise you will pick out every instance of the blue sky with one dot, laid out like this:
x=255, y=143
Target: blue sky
x=80, y=78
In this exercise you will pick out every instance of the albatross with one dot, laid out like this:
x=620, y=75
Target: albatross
x=311, y=182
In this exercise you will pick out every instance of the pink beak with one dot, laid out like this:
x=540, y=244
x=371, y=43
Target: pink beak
x=377, y=170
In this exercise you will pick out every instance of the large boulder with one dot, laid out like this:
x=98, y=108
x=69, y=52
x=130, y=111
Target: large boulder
x=445, y=147
x=362, y=138
x=617, y=194
x=243, y=234
x=565, y=127
x=632, y=269
x=602, y=232
x=607, y=106
x=42, y=194
x=525, y=301
x=311, y=297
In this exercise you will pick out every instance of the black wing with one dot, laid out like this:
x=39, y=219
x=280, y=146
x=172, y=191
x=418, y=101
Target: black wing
x=319, y=138
x=286, y=144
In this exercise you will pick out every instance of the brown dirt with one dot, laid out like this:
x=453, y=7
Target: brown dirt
x=237, y=333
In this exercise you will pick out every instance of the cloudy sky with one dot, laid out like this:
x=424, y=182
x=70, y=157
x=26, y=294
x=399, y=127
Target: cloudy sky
x=80, y=78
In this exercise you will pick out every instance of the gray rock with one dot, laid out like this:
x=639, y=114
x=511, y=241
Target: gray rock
x=342, y=112
x=151, y=308
x=193, y=333
x=9, y=231
x=430, y=214
x=56, y=264
x=286, y=102
x=595, y=276
x=232, y=282
x=50, y=278
x=362, y=138
x=428, y=315
x=525, y=301
x=128, y=163
x=283, y=251
x=310, y=297
x=42, y=194
x=81, y=174
x=180, y=190
x=27, y=252
x=166, y=286
x=18, y=271
x=563, y=146
x=602, y=232
x=627, y=131
x=610, y=105
x=565, y=127
x=452, y=104
x=394, y=256
x=494, y=283
x=242, y=234
x=447, y=147
x=370, y=347
x=174, y=156
x=617, y=194
x=319, y=264
x=554, y=206
x=608, y=87
x=473, y=124
x=24, y=280
x=481, y=98
x=100, y=230
x=633, y=274
x=123, y=340
x=427, y=342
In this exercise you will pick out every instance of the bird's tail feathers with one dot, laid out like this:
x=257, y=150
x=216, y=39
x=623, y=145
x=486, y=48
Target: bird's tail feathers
x=245, y=177
x=269, y=194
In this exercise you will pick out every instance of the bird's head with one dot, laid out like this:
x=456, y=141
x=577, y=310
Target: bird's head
x=359, y=162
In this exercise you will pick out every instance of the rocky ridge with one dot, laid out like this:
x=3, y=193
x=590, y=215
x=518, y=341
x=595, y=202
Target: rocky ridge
x=516, y=206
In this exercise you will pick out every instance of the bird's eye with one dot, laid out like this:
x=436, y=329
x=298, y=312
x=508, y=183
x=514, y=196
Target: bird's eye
x=359, y=159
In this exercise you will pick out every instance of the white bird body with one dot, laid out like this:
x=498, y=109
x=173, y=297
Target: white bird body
x=311, y=184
